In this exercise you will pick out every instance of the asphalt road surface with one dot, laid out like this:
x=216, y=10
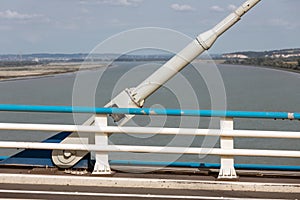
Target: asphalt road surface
x=17, y=191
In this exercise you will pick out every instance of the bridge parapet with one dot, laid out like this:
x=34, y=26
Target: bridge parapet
x=101, y=130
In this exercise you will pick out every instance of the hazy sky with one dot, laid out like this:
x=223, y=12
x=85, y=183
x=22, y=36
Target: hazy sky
x=71, y=26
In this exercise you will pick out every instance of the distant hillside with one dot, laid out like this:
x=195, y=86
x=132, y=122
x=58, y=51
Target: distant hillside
x=283, y=53
x=284, y=59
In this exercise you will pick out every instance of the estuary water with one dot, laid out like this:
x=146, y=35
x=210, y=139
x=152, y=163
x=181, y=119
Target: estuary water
x=247, y=88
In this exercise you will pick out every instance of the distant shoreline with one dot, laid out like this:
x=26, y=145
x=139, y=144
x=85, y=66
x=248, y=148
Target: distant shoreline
x=28, y=72
x=38, y=71
x=278, y=68
x=34, y=76
x=266, y=67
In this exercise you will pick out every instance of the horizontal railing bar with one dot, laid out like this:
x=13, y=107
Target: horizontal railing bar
x=261, y=134
x=148, y=111
x=149, y=130
x=4, y=157
x=151, y=149
x=203, y=165
x=197, y=164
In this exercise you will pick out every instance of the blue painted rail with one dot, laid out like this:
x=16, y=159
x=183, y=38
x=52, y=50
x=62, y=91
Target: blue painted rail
x=204, y=165
x=196, y=165
x=149, y=111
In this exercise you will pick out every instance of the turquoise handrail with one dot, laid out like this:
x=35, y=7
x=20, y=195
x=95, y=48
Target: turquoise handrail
x=149, y=111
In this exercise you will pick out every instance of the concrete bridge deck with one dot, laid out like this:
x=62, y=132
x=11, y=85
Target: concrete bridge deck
x=167, y=183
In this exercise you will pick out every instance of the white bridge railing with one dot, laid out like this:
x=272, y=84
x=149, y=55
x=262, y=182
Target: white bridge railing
x=101, y=130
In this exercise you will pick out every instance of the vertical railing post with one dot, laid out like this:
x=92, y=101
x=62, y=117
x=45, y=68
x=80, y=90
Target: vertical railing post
x=101, y=158
x=227, y=170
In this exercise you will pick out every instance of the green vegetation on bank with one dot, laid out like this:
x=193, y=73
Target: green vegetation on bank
x=292, y=63
x=288, y=59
